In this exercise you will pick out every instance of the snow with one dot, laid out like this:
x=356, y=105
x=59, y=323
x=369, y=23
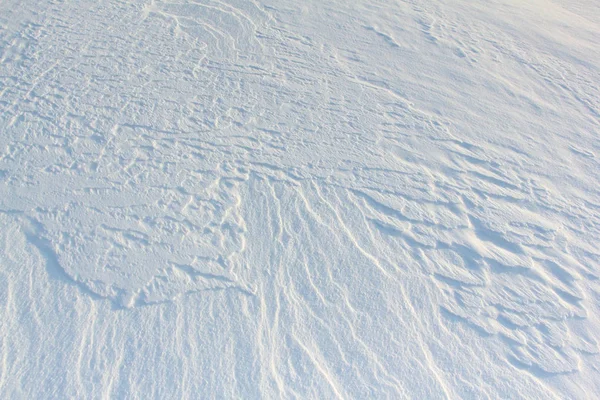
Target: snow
x=318, y=199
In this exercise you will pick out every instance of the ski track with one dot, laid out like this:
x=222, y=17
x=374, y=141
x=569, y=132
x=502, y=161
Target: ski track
x=247, y=199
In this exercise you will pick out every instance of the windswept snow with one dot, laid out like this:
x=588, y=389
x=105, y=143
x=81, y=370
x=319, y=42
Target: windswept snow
x=314, y=199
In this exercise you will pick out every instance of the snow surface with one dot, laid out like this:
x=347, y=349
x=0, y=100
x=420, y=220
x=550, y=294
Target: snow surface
x=299, y=199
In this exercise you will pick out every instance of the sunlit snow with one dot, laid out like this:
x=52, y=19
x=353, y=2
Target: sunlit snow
x=299, y=199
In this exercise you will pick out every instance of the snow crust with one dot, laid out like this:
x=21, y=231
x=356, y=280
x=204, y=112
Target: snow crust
x=316, y=199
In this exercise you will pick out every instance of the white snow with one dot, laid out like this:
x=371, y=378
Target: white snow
x=313, y=200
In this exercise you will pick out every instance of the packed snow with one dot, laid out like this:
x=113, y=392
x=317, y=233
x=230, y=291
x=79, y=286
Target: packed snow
x=314, y=199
